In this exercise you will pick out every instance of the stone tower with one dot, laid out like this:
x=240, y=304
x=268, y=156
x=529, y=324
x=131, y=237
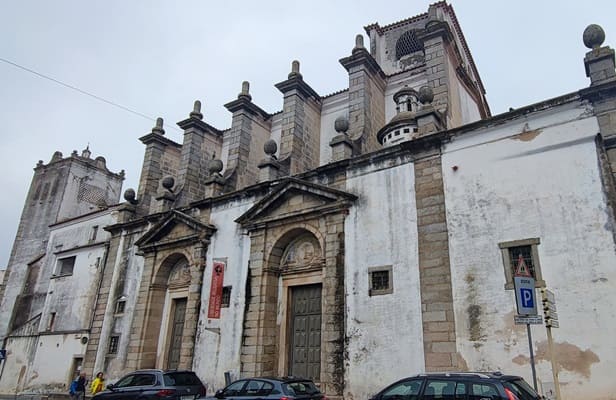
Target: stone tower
x=60, y=190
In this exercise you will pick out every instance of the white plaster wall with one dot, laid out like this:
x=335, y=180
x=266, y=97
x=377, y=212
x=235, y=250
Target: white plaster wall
x=72, y=297
x=40, y=364
x=469, y=110
x=52, y=367
x=384, y=333
x=20, y=352
x=219, y=341
x=545, y=184
x=332, y=108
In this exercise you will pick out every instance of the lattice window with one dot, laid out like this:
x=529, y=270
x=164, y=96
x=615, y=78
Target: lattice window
x=380, y=280
x=226, y=296
x=66, y=265
x=525, y=250
x=407, y=44
x=113, y=344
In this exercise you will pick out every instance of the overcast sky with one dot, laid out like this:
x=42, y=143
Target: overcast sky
x=157, y=57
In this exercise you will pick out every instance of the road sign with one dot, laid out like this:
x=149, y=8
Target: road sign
x=548, y=295
x=549, y=308
x=528, y=319
x=522, y=268
x=551, y=324
x=525, y=295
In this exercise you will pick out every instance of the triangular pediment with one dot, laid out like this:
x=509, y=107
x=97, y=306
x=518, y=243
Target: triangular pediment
x=293, y=197
x=175, y=229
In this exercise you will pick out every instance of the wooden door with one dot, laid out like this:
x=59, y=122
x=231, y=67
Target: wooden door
x=305, y=321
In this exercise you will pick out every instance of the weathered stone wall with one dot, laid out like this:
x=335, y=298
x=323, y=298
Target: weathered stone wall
x=543, y=181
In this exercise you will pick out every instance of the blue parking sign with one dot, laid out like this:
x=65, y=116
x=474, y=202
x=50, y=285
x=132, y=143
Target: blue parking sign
x=525, y=295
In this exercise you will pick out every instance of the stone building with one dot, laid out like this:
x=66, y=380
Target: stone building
x=378, y=226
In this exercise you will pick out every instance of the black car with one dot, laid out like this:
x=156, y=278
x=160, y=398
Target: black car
x=287, y=388
x=459, y=386
x=155, y=384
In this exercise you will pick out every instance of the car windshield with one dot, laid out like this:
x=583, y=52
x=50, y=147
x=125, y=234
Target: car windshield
x=521, y=389
x=300, y=388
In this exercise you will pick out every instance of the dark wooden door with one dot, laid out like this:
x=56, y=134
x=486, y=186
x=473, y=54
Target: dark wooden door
x=177, y=327
x=305, y=346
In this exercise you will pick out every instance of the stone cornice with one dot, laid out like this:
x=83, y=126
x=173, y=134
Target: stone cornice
x=297, y=83
x=158, y=138
x=361, y=57
x=243, y=103
x=193, y=122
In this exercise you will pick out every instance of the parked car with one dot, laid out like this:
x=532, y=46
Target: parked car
x=287, y=388
x=155, y=384
x=459, y=386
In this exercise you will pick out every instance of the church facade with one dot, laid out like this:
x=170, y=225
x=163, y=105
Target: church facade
x=354, y=238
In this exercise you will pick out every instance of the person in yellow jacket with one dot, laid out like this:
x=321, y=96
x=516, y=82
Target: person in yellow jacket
x=98, y=383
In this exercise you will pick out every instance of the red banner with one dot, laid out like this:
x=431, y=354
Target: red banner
x=218, y=275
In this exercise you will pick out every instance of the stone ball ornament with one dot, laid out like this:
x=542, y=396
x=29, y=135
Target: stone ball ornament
x=425, y=95
x=130, y=196
x=168, y=182
x=341, y=124
x=215, y=166
x=593, y=36
x=270, y=147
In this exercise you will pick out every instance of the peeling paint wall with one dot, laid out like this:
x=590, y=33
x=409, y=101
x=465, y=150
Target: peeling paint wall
x=385, y=330
x=535, y=177
x=218, y=341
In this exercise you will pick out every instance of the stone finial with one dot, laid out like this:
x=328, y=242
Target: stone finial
x=245, y=93
x=215, y=166
x=57, y=156
x=295, y=70
x=425, y=95
x=74, y=153
x=341, y=125
x=593, y=36
x=196, y=112
x=39, y=163
x=101, y=162
x=168, y=182
x=359, y=43
x=86, y=153
x=130, y=196
x=158, y=128
x=270, y=148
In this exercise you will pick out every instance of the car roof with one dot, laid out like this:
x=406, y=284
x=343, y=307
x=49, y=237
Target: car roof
x=284, y=379
x=477, y=375
x=163, y=371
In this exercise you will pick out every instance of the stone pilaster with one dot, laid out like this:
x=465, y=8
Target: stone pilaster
x=245, y=113
x=300, y=137
x=151, y=171
x=201, y=142
x=434, y=267
x=366, y=97
x=436, y=38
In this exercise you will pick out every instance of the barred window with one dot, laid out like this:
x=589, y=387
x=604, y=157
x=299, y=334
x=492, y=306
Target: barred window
x=226, y=296
x=407, y=44
x=523, y=252
x=113, y=344
x=380, y=280
x=120, y=307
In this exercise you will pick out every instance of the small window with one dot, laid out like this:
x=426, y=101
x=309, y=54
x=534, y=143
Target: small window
x=407, y=44
x=398, y=132
x=523, y=252
x=226, y=296
x=407, y=130
x=93, y=233
x=380, y=280
x=113, y=344
x=120, y=307
x=66, y=265
x=415, y=130
x=52, y=321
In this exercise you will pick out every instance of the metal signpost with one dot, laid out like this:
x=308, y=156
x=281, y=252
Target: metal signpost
x=551, y=321
x=524, y=286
